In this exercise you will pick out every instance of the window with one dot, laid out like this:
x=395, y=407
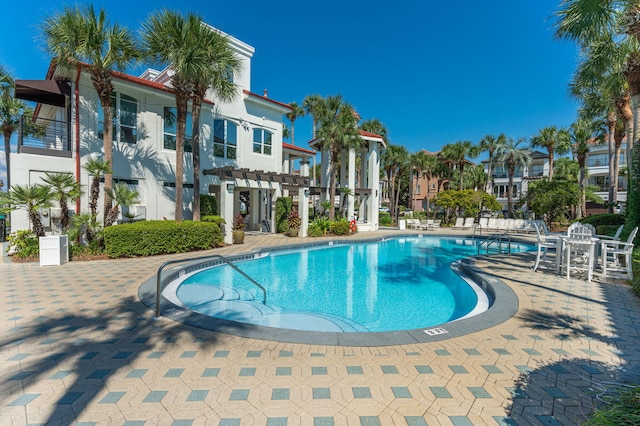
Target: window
x=418, y=189
x=598, y=160
x=225, y=139
x=173, y=185
x=261, y=141
x=125, y=118
x=170, y=117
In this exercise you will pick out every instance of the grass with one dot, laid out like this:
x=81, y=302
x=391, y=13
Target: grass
x=620, y=408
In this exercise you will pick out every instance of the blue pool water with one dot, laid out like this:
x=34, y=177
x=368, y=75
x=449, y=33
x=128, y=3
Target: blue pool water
x=397, y=284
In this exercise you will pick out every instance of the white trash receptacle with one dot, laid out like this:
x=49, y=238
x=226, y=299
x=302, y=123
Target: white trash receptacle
x=54, y=250
x=402, y=223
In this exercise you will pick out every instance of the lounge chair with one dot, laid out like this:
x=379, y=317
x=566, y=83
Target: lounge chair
x=435, y=225
x=468, y=223
x=501, y=225
x=492, y=224
x=425, y=223
x=483, y=223
x=459, y=223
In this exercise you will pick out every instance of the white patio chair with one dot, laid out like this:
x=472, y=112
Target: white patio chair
x=424, y=223
x=483, y=223
x=459, y=223
x=492, y=225
x=578, y=250
x=468, y=223
x=547, y=243
x=617, y=258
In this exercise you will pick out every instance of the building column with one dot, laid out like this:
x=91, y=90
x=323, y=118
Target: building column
x=303, y=210
x=351, y=184
x=325, y=179
x=225, y=205
x=373, y=179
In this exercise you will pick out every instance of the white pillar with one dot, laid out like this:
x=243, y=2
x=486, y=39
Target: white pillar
x=225, y=205
x=373, y=179
x=325, y=174
x=303, y=210
x=351, y=184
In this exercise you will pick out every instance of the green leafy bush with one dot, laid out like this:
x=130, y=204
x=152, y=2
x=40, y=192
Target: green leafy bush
x=213, y=218
x=283, y=207
x=609, y=230
x=160, y=237
x=25, y=243
x=385, y=218
x=314, y=230
x=208, y=205
x=340, y=227
x=604, y=219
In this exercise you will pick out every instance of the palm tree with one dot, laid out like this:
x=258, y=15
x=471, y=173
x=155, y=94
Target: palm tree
x=311, y=105
x=96, y=167
x=33, y=199
x=394, y=159
x=296, y=112
x=491, y=144
x=79, y=35
x=217, y=61
x=337, y=130
x=554, y=140
x=377, y=127
x=168, y=37
x=64, y=187
x=11, y=110
x=122, y=195
x=418, y=162
x=477, y=177
x=513, y=154
x=581, y=133
x=456, y=154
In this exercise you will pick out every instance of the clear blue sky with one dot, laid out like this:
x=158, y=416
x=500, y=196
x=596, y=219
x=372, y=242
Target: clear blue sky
x=433, y=72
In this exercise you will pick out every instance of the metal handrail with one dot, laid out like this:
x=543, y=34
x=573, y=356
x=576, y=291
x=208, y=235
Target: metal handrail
x=224, y=259
x=497, y=237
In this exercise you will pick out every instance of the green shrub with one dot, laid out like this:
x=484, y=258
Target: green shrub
x=635, y=284
x=213, y=218
x=314, y=230
x=609, y=230
x=340, y=227
x=208, y=205
x=604, y=219
x=149, y=238
x=385, y=218
x=25, y=243
x=621, y=407
x=283, y=207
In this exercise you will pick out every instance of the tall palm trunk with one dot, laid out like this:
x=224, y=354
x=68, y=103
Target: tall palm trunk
x=195, y=117
x=36, y=223
x=583, y=185
x=181, y=125
x=7, y=155
x=103, y=86
x=611, y=124
x=512, y=170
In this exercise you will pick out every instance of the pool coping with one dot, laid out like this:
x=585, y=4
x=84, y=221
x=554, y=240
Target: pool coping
x=504, y=307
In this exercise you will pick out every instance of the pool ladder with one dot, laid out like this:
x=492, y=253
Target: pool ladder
x=194, y=259
x=496, y=238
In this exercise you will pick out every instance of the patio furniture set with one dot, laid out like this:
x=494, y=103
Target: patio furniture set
x=581, y=250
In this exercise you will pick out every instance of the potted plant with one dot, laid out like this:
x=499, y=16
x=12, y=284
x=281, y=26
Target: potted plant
x=238, y=229
x=293, y=221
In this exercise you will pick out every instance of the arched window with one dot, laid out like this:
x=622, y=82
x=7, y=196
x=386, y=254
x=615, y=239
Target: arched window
x=225, y=139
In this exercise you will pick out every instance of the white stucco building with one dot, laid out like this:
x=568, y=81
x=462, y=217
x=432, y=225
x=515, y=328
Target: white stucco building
x=244, y=161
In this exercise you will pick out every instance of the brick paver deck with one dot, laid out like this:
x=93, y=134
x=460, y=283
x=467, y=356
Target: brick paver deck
x=78, y=347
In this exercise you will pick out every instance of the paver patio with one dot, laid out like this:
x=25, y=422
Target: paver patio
x=78, y=347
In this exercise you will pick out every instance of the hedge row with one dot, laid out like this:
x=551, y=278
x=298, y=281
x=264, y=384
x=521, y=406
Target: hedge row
x=148, y=238
x=604, y=219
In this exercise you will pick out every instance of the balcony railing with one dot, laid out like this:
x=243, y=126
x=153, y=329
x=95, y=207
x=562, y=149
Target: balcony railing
x=45, y=137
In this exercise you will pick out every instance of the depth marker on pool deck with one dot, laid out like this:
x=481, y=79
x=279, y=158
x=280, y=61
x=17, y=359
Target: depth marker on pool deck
x=435, y=331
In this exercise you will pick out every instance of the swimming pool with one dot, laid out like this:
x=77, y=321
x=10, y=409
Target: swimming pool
x=383, y=286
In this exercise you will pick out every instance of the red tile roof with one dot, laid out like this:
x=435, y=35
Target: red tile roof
x=264, y=98
x=297, y=148
x=369, y=134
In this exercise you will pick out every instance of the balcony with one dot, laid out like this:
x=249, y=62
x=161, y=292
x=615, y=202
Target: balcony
x=42, y=136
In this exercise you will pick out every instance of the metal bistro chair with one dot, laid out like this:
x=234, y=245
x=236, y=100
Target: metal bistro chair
x=578, y=249
x=612, y=254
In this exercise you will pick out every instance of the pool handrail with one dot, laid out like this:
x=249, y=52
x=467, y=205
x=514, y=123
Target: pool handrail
x=194, y=259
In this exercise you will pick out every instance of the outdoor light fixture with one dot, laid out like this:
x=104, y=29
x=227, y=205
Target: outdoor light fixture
x=231, y=186
x=306, y=192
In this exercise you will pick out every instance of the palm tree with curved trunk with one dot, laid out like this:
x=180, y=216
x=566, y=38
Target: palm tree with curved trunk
x=457, y=153
x=490, y=144
x=80, y=35
x=296, y=112
x=513, y=154
x=216, y=62
x=337, y=130
x=64, y=187
x=555, y=141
